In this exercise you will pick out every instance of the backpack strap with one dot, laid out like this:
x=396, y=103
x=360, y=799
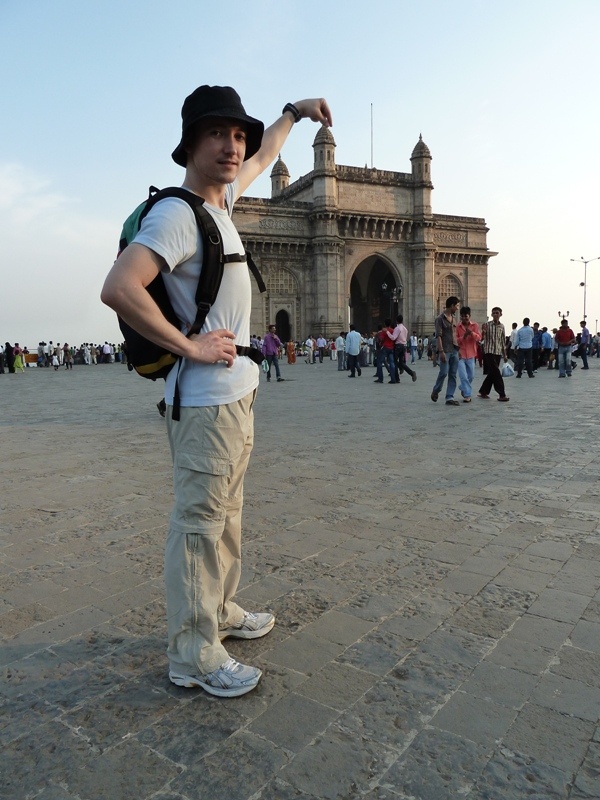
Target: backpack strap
x=213, y=263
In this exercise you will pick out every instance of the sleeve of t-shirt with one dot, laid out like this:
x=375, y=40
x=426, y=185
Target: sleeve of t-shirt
x=170, y=230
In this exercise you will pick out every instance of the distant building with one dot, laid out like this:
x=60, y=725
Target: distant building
x=352, y=244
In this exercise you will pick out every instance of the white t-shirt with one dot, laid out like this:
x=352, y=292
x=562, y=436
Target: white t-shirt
x=170, y=230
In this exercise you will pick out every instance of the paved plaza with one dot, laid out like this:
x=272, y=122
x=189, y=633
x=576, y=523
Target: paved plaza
x=434, y=571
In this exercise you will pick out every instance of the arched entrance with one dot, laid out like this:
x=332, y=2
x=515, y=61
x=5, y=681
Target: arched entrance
x=282, y=324
x=374, y=295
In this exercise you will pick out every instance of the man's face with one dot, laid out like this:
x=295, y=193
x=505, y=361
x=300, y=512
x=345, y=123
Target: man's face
x=465, y=319
x=219, y=151
x=272, y=330
x=496, y=315
x=453, y=308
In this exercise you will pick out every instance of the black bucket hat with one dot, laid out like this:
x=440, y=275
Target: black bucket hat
x=216, y=101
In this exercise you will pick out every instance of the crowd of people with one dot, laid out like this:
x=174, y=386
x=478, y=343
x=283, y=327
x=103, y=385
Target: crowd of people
x=454, y=348
x=14, y=358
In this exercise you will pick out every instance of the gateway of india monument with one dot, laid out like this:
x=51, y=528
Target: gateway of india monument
x=356, y=245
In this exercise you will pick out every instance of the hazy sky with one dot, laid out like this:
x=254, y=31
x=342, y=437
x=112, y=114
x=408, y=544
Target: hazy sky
x=505, y=95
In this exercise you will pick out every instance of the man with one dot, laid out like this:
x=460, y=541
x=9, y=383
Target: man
x=310, y=346
x=494, y=348
x=340, y=349
x=536, y=347
x=512, y=343
x=585, y=343
x=546, y=347
x=399, y=336
x=49, y=353
x=447, y=349
x=369, y=342
x=270, y=350
x=353, y=343
x=525, y=349
x=386, y=354
x=565, y=339
x=414, y=344
x=321, y=345
x=467, y=336
x=222, y=150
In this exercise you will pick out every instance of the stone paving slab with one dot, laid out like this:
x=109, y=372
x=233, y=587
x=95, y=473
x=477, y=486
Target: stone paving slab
x=436, y=587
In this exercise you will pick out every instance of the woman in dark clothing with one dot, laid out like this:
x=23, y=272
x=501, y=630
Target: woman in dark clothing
x=9, y=356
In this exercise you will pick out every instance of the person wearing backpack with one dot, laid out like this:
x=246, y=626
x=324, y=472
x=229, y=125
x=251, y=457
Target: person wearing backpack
x=222, y=150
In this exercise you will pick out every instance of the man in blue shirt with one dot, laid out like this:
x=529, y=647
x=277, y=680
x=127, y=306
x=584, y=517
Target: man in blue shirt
x=536, y=352
x=546, y=348
x=524, y=348
x=353, y=343
x=585, y=343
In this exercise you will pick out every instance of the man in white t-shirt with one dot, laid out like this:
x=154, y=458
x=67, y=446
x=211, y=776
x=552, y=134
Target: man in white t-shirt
x=321, y=345
x=223, y=150
x=340, y=349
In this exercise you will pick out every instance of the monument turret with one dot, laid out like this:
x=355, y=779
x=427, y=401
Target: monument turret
x=280, y=178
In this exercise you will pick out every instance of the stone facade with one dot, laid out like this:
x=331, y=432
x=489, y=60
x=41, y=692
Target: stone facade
x=350, y=244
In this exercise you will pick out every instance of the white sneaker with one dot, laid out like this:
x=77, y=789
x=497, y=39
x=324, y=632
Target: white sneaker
x=231, y=679
x=253, y=626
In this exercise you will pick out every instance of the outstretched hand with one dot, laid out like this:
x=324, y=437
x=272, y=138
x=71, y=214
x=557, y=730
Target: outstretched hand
x=315, y=109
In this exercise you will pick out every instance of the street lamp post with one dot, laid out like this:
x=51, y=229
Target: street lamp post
x=584, y=284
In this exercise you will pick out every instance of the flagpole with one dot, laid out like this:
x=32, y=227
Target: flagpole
x=371, y=135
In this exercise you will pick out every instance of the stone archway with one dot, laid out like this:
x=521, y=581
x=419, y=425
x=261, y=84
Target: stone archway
x=282, y=325
x=375, y=294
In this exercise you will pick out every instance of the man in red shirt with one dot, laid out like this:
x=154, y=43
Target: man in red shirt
x=565, y=339
x=386, y=353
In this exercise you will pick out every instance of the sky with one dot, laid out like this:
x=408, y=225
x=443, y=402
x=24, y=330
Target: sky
x=504, y=94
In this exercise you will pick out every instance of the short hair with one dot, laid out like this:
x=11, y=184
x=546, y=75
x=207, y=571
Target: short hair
x=496, y=308
x=526, y=321
x=387, y=322
x=399, y=319
x=465, y=310
x=352, y=327
x=582, y=322
x=452, y=301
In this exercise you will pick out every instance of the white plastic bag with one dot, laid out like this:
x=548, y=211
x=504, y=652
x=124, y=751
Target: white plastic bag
x=507, y=371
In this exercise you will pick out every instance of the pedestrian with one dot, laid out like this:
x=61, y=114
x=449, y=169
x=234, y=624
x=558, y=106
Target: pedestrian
x=385, y=355
x=9, y=357
x=524, y=345
x=353, y=342
x=310, y=346
x=447, y=349
x=270, y=350
x=222, y=150
x=290, y=351
x=468, y=336
x=340, y=349
x=493, y=343
x=321, y=345
x=565, y=339
x=585, y=343
x=399, y=337
x=19, y=362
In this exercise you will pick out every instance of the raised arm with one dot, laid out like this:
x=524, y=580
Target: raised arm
x=274, y=137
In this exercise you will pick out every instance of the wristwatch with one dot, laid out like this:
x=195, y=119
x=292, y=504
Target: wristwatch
x=293, y=111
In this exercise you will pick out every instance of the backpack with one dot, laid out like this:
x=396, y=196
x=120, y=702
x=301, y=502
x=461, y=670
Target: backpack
x=151, y=360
